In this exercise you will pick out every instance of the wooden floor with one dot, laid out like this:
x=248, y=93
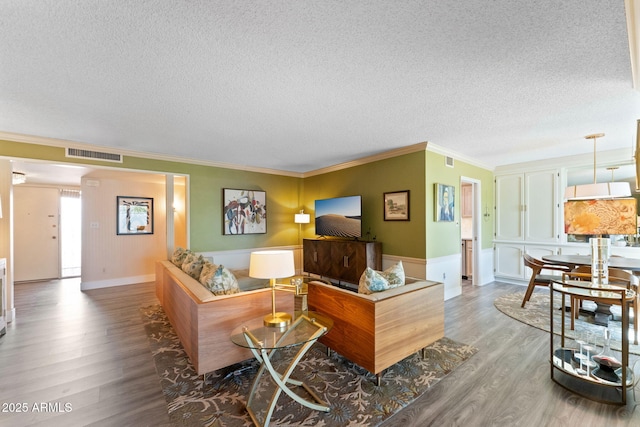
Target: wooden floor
x=88, y=351
x=85, y=349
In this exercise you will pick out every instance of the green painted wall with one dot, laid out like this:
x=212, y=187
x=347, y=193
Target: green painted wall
x=371, y=180
x=443, y=238
x=420, y=237
x=206, y=184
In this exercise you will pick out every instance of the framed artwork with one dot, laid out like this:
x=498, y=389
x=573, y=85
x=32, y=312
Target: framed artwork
x=244, y=212
x=134, y=215
x=444, y=204
x=396, y=206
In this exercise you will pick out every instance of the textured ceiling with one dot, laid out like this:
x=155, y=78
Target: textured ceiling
x=299, y=85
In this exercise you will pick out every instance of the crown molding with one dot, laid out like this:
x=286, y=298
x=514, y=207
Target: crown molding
x=421, y=146
x=62, y=143
x=619, y=156
x=457, y=156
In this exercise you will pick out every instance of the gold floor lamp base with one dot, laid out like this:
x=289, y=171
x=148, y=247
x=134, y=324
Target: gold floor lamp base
x=277, y=320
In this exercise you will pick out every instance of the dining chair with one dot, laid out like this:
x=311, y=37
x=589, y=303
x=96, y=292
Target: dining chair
x=538, y=279
x=617, y=277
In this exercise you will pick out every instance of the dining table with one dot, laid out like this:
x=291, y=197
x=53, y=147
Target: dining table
x=603, y=311
x=572, y=261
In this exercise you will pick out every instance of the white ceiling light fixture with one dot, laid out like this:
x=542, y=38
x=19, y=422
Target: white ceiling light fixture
x=604, y=190
x=18, y=178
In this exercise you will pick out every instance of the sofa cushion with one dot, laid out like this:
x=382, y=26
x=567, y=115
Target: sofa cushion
x=247, y=283
x=178, y=256
x=374, y=281
x=219, y=280
x=192, y=265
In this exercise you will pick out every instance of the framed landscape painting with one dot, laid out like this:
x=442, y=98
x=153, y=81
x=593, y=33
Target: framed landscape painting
x=396, y=206
x=244, y=212
x=134, y=215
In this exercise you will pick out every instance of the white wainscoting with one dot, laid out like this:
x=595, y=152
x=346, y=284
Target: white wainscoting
x=239, y=259
x=484, y=269
x=413, y=267
x=444, y=269
x=235, y=260
x=448, y=270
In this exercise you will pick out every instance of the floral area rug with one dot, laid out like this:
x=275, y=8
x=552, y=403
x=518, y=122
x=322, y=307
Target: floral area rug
x=536, y=314
x=351, y=391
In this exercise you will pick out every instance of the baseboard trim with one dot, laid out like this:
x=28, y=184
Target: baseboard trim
x=120, y=281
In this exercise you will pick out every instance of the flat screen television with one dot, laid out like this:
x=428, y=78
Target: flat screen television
x=339, y=217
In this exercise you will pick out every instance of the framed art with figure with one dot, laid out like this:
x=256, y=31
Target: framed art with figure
x=444, y=203
x=244, y=212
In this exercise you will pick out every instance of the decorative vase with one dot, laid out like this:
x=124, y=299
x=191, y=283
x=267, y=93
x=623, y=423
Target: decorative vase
x=600, y=248
x=607, y=363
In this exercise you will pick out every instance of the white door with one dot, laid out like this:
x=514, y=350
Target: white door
x=508, y=261
x=541, y=206
x=509, y=207
x=36, y=233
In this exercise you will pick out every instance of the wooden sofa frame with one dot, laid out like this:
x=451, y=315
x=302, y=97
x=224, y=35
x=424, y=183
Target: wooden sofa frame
x=205, y=327
x=376, y=331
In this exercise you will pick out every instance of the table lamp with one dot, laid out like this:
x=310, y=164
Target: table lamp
x=599, y=218
x=271, y=265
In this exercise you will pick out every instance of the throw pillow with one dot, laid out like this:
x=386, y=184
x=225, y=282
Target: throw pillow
x=193, y=265
x=178, y=256
x=207, y=273
x=374, y=281
x=395, y=275
x=219, y=280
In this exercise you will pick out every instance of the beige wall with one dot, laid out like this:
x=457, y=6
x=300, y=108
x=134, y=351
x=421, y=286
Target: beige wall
x=116, y=259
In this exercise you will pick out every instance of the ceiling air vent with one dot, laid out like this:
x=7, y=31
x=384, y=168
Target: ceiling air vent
x=94, y=155
x=448, y=161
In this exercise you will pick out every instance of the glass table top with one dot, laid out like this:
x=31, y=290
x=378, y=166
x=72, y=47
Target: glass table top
x=303, y=328
x=587, y=289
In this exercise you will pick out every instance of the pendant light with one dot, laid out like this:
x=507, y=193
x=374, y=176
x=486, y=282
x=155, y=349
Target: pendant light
x=604, y=190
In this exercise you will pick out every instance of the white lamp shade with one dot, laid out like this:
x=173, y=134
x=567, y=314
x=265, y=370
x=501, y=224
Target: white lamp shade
x=271, y=264
x=604, y=190
x=301, y=218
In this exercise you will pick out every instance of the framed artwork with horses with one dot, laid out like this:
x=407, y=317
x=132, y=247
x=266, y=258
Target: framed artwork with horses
x=244, y=212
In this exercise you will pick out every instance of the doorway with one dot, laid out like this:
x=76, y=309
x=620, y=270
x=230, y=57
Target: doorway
x=70, y=233
x=466, y=232
x=47, y=233
x=469, y=230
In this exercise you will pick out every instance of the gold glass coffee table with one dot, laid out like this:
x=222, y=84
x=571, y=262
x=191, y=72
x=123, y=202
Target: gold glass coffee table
x=264, y=342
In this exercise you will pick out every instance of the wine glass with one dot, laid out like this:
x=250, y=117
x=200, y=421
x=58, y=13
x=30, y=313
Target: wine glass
x=591, y=348
x=580, y=356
